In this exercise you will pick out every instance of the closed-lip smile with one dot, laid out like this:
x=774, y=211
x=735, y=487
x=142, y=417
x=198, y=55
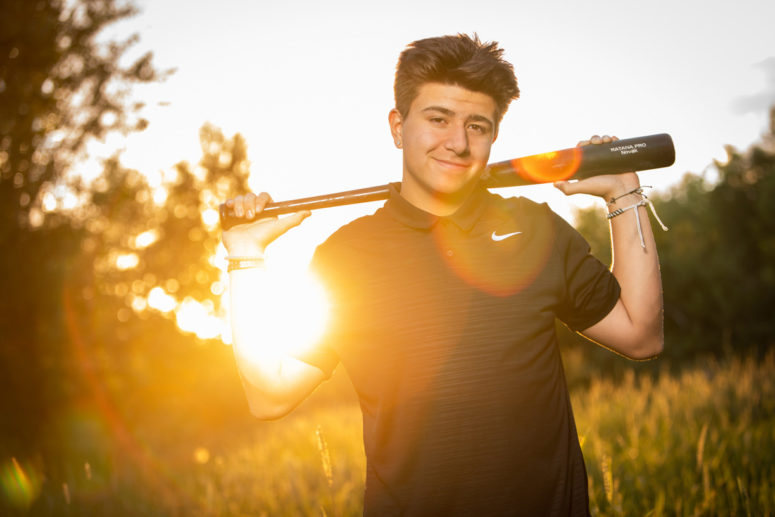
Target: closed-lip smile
x=450, y=164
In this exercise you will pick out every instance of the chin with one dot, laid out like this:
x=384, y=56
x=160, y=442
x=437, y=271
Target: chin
x=453, y=188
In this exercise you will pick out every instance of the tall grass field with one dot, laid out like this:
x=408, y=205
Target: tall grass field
x=699, y=442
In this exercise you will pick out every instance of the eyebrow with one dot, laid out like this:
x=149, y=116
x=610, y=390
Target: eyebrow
x=450, y=113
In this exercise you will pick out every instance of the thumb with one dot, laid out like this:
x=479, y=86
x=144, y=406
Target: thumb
x=288, y=222
x=566, y=187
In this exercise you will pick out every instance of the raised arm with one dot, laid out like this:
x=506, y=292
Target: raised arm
x=274, y=382
x=634, y=327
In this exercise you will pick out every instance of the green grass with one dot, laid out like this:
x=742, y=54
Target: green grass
x=310, y=464
x=700, y=442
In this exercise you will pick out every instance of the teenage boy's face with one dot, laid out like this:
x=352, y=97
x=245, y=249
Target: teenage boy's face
x=446, y=138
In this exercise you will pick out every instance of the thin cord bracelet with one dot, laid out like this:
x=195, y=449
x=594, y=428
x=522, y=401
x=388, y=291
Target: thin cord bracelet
x=645, y=201
x=638, y=191
x=620, y=211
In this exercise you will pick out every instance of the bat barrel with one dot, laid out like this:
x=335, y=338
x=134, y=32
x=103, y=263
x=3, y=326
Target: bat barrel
x=632, y=154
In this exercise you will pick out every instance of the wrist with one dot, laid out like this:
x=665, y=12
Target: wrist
x=625, y=191
x=641, y=200
x=250, y=250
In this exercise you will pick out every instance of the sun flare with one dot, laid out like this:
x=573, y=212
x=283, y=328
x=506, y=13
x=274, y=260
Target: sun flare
x=291, y=313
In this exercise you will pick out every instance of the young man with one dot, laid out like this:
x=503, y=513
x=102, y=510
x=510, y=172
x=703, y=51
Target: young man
x=444, y=303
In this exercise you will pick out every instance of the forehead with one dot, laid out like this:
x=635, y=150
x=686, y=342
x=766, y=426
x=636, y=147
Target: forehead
x=461, y=101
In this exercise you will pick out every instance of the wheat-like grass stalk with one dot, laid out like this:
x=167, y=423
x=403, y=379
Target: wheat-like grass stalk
x=325, y=456
x=608, y=478
x=701, y=445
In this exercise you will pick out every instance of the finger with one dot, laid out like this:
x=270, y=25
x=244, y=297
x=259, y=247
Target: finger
x=607, y=139
x=249, y=201
x=262, y=200
x=595, y=139
x=239, y=206
x=582, y=143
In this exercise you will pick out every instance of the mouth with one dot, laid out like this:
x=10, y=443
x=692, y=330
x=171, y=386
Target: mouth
x=452, y=165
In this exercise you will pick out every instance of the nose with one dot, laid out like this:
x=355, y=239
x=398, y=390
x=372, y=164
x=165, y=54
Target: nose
x=457, y=140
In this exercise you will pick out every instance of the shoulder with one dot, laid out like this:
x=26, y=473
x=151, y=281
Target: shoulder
x=538, y=217
x=359, y=234
x=524, y=209
x=516, y=202
x=358, y=230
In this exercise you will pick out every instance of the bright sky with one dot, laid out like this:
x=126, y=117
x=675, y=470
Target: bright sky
x=309, y=84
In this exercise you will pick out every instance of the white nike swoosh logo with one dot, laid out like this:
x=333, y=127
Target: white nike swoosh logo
x=497, y=238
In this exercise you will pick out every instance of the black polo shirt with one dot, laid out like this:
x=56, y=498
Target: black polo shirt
x=446, y=327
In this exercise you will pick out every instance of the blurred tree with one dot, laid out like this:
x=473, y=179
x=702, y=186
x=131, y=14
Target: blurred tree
x=142, y=244
x=120, y=351
x=59, y=88
x=127, y=357
x=718, y=259
x=719, y=264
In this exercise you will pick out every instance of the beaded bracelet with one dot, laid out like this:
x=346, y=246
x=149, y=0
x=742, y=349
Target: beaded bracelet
x=237, y=263
x=620, y=211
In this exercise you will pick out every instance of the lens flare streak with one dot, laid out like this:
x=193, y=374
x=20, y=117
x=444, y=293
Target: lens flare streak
x=549, y=167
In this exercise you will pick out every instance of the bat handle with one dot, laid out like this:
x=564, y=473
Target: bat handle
x=350, y=197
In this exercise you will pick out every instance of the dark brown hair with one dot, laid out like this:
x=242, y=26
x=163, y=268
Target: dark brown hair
x=460, y=60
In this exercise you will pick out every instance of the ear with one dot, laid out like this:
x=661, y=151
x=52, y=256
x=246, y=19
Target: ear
x=396, y=125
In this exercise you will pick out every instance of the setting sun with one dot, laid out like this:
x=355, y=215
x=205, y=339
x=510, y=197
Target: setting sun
x=289, y=313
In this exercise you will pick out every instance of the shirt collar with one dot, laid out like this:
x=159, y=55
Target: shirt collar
x=465, y=217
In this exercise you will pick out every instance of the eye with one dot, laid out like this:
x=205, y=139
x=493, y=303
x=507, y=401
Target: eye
x=478, y=128
x=438, y=120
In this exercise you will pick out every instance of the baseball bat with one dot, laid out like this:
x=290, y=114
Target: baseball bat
x=631, y=154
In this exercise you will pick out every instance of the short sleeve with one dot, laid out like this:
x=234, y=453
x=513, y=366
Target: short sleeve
x=591, y=290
